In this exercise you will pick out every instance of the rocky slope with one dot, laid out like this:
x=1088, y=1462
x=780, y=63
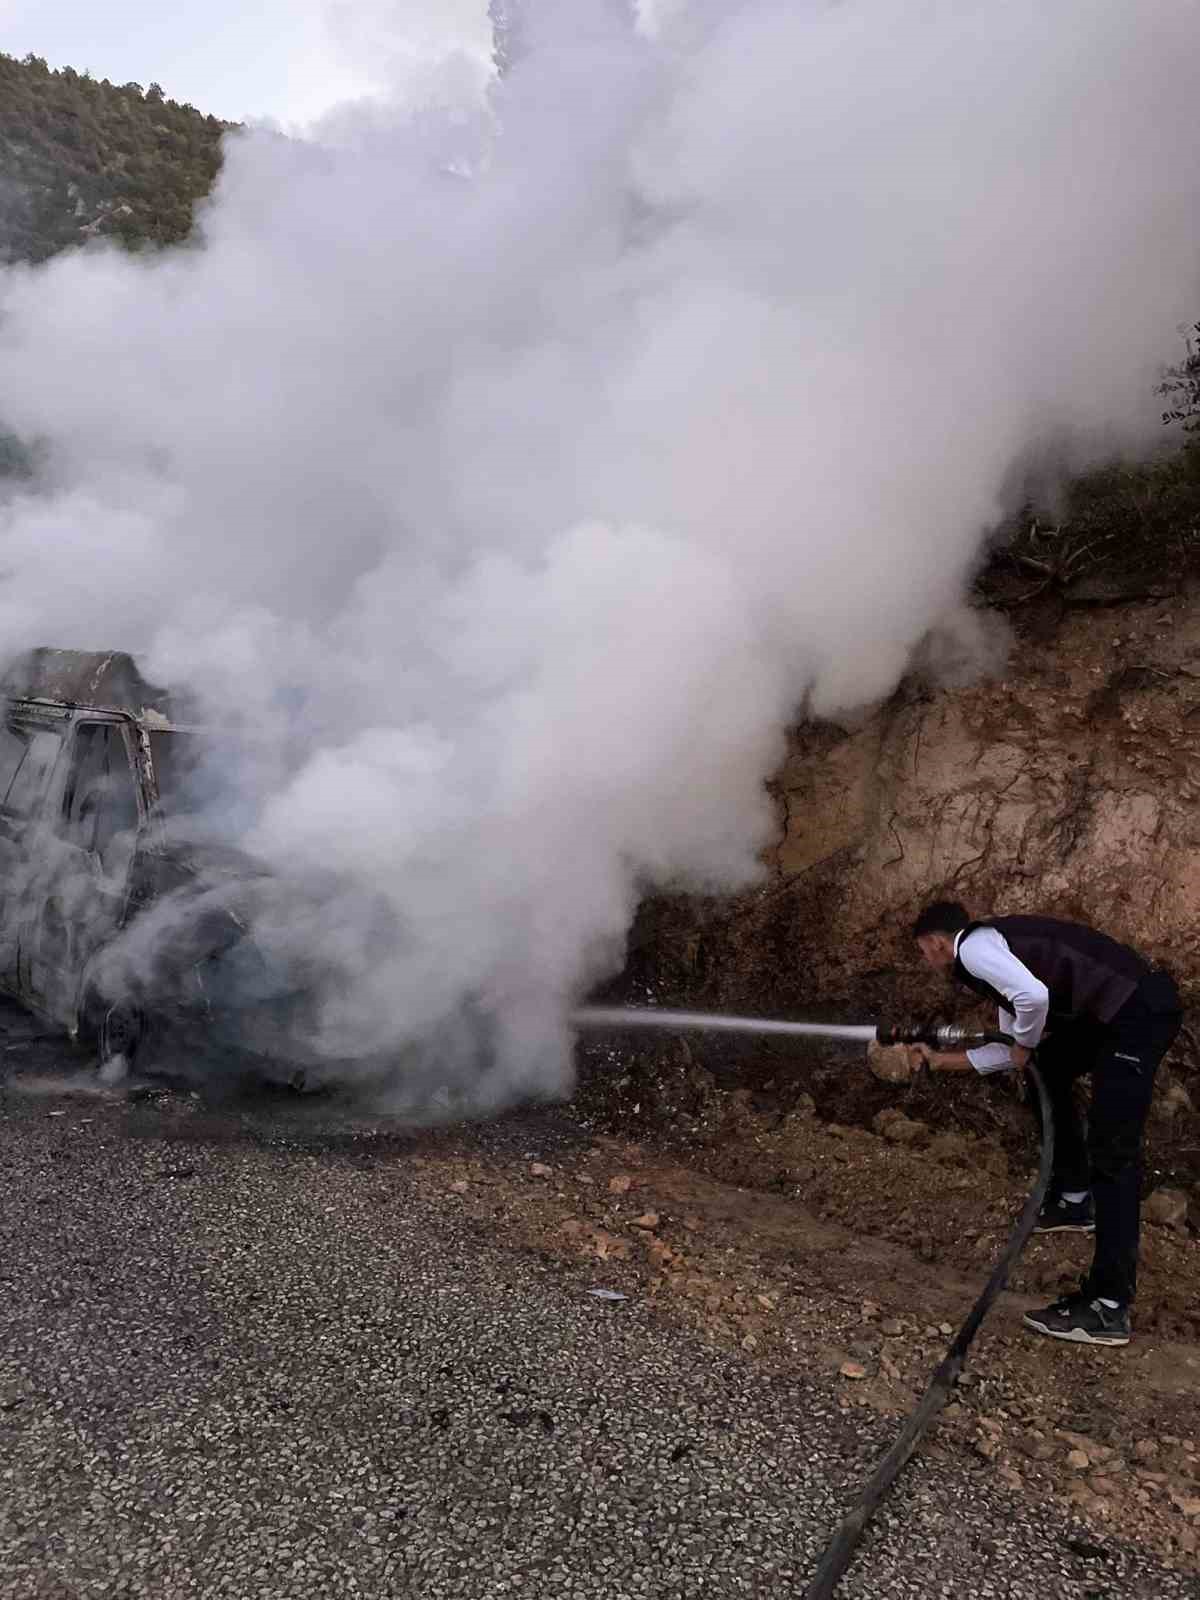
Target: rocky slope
x=1068, y=785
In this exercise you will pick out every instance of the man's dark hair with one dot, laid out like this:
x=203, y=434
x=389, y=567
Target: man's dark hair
x=943, y=916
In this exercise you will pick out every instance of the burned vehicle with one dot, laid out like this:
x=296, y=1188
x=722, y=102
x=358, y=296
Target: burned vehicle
x=115, y=923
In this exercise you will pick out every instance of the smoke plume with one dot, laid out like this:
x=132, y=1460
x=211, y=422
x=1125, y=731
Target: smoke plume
x=515, y=468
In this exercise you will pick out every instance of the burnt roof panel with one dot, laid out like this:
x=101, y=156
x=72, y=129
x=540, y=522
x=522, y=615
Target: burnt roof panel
x=108, y=679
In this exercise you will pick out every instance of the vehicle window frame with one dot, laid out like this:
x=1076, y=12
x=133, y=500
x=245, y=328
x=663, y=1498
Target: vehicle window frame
x=88, y=727
x=31, y=728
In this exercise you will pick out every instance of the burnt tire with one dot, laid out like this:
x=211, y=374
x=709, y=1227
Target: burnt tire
x=115, y=1030
x=121, y=1031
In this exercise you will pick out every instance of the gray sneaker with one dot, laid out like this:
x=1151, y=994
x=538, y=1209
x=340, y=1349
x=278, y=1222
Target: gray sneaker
x=1082, y=1320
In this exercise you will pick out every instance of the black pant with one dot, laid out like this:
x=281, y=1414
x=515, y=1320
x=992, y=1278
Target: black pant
x=1122, y=1058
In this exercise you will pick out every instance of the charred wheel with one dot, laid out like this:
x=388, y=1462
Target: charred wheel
x=116, y=1030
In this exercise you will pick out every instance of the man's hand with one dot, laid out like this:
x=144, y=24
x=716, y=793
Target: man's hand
x=1021, y=1057
x=922, y=1057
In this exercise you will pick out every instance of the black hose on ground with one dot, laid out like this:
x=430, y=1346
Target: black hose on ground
x=840, y=1550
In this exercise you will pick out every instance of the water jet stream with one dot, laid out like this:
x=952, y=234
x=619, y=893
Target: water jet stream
x=710, y=1022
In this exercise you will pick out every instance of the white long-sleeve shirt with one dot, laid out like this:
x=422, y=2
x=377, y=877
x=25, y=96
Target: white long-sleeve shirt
x=987, y=954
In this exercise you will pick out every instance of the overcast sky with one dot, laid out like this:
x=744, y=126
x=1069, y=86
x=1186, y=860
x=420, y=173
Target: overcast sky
x=285, y=59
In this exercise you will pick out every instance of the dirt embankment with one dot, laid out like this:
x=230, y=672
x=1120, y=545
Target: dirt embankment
x=1069, y=786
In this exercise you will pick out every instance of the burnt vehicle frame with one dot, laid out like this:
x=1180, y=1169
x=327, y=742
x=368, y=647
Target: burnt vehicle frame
x=88, y=856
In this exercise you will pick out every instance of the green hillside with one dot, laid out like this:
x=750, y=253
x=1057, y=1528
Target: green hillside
x=81, y=157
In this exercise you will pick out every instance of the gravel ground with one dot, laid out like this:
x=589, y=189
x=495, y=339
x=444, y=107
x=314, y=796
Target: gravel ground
x=240, y=1361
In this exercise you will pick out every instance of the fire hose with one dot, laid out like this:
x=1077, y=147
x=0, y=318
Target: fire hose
x=839, y=1552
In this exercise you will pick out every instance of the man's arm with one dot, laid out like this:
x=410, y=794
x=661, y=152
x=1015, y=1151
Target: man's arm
x=986, y=954
x=987, y=1058
x=983, y=1058
x=943, y=1060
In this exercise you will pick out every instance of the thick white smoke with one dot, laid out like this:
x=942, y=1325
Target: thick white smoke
x=520, y=470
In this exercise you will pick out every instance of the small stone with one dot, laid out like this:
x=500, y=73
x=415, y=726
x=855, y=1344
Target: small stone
x=893, y=1328
x=1080, y=1495
x=1077, y=1461
x=648, y=1219
x=951, y=1148
x=1175, y=1100
x=621, y=1184
x=749, y=1342
x=606, y=1247
x=853, y=1370
x=459, y=1186
x=693, y=1223
x=539, y=1169
x=1036, y=1449
x=1167, y=1207
x=906, y=1131
x=945, y=1329
x=1145, y=1449
x=884, y=1119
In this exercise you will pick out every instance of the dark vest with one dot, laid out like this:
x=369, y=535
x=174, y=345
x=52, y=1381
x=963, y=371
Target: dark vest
x=1089, y=975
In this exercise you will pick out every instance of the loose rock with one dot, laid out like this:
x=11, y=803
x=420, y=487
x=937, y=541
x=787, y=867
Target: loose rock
x=889, y=1063
x=906, y=1131
x=884, y=1119
x=1167, y=1207
x=951, y=1148
x=1174, y=1101
x=1036, y=1449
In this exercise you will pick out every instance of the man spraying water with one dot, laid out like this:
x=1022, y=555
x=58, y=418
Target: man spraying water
x=1088, y=1006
